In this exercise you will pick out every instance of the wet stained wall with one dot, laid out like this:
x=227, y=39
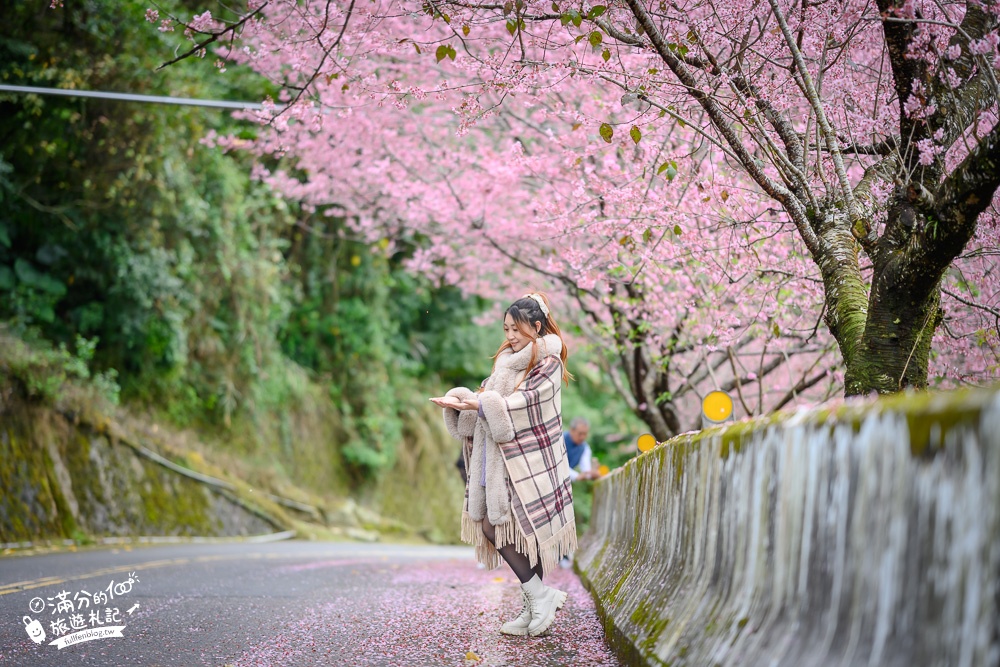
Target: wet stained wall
x=866, y=535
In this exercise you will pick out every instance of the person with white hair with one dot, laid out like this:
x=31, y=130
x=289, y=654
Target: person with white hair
x=578, y=451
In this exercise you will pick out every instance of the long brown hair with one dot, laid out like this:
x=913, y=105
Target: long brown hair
x=525, y=312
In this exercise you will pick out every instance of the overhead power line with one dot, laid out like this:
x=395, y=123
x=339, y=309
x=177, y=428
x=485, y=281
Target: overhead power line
x=130, y=97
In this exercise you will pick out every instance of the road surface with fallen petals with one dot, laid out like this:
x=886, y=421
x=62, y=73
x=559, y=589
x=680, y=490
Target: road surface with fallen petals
x=286, y=604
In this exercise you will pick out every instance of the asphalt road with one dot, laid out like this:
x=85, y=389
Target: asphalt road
x=282, y=604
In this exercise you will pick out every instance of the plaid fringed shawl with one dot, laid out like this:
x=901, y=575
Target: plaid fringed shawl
x=525, y=427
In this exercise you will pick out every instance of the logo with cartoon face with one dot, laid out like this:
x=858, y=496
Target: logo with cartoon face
x=34, y=630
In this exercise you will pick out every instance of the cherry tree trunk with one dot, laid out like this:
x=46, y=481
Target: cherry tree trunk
x=892, y=350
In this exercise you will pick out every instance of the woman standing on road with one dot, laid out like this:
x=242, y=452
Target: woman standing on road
x=518, y=500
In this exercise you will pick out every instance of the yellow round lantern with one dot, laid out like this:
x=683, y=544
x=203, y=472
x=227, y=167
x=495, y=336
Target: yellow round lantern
x=717, y=406
x=646, y=442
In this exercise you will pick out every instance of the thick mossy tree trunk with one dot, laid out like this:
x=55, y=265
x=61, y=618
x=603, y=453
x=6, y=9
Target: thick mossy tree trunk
x=932, y=215
x=888, y=347
x=896, y=346
x=884, y=330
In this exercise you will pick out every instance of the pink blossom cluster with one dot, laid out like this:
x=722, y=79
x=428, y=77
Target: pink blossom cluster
x=535, y=151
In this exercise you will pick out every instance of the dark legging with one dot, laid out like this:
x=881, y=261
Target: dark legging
x=517, y=561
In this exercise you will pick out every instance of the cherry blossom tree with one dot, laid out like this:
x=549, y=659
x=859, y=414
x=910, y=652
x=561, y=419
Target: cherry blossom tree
x=708, y=182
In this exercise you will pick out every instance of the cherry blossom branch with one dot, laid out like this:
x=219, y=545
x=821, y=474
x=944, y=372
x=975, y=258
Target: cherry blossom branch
x=736, y=375
x=574, y=287
x=694, y=378
x=791, y=161
x=816, y=103
x=866, y=235
x=665, y=109
x=972, y=304
x=214, y=37
x=715, y=113
x=800, y=387
x=885, y=147
x=965, y=193
x=327, y=50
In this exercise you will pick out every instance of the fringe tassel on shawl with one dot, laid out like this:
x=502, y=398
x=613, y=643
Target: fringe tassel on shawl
x=561, y=544
x=472, y=533
x=470, y=529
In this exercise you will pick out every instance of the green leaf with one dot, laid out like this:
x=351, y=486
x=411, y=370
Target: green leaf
x=775, y=330
x=647, y=235
x=571, y=16
x=669, y=167
x=677, y=230
x=607, y=132
x=511, y=28
x=596, y=11
x=45, y=313
x=26, y=273
x=441, y=53
x=32, y=277
x=606, y=55
x=4, y=235
x=555, y=7
x=596, y=38
x=579, y=38
x=679, y=49
x=508, y=7
x=465, y=30
x=635, y=133
x=6, y=278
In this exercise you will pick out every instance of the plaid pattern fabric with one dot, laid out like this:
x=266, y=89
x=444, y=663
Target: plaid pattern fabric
x=536, y=460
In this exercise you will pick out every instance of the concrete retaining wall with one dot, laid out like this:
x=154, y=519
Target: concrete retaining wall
x=865, y=536
x=60, y=479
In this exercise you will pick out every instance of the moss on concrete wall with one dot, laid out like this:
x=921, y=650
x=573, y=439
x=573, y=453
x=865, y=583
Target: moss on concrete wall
x=65, y=480
x=869, y=534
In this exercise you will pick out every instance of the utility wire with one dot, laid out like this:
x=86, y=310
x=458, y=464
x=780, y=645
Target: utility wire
x=130, y=97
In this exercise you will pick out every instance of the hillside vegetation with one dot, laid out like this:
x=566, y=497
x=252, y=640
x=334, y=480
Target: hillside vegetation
x=149, y=280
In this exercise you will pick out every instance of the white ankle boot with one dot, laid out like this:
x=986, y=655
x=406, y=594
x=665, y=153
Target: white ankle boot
x=519, y=626
x=542, y=604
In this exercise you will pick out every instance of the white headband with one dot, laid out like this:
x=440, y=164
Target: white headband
x=541, y=304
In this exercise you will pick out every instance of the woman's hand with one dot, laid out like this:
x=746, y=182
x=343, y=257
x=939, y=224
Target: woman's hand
x=456, y=403
x=447, y=402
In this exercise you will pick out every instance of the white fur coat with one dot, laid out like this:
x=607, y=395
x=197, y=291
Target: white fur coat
x=535, y=459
